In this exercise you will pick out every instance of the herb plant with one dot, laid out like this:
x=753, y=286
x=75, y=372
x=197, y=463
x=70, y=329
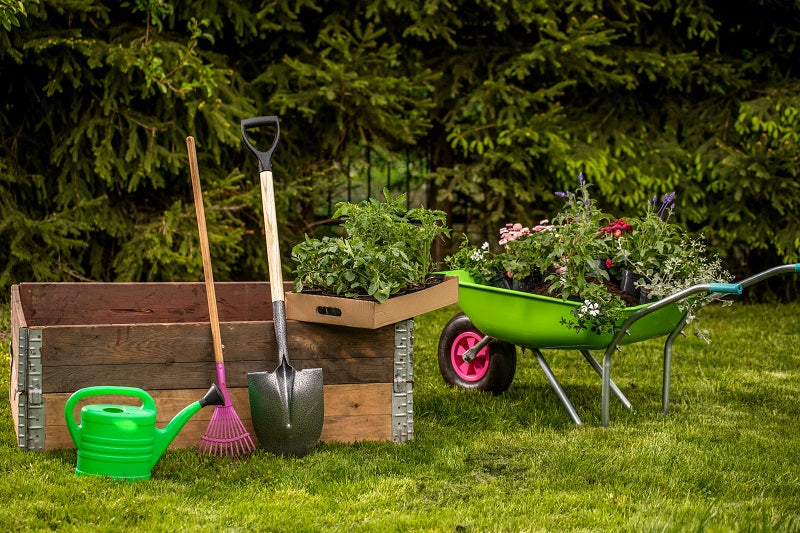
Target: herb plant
x=385, y=249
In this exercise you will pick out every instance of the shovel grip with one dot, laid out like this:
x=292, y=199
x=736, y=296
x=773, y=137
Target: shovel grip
x=264, y=158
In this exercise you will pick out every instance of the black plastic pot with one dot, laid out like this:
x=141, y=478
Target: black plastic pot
x=628, y=282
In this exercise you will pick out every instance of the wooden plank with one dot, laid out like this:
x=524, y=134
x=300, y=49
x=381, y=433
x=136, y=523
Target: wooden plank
x=68, y=378
x=352, y=413
x=48, y=304
x=173, y=343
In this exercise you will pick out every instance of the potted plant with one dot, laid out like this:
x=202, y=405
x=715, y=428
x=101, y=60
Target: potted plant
x=383, y=256
x=583, y=254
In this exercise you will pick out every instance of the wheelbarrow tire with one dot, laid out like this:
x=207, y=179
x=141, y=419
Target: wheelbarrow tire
x=493, y=368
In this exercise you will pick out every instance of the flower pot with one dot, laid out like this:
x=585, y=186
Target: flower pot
x=528, y=283
x=645, y=296
x=628, y=282
x=502, y=281
x=612, y=271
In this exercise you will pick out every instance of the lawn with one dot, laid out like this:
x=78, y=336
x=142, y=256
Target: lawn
x=725, y=458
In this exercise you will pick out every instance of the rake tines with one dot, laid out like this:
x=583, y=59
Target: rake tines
x=226, y=434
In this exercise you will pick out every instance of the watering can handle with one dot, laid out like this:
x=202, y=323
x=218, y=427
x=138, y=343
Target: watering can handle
x=264, y=158
x=147, y=402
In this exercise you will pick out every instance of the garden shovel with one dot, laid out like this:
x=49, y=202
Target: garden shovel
x=286, y=405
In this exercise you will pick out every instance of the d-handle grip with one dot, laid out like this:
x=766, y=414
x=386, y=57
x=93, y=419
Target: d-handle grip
x=147, y=402
x=264, y=158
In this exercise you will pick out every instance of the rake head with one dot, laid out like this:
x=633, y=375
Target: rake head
x=226, y=435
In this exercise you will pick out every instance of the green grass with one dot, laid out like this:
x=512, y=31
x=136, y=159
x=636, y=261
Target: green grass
x=725, y=458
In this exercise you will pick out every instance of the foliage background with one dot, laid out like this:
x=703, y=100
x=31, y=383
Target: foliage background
x=484, y=107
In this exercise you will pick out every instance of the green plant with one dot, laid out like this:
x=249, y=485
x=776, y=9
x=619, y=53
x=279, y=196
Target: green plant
x=578, y=244
x=652, y=239
x=689, y=264
x=386, y=248
x=599, y=312
x=479, y=261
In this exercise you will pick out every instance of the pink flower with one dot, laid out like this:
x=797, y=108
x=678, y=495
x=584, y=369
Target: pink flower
x=609, y=263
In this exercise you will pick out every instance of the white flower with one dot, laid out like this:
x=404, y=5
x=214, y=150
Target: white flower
x=592, y=308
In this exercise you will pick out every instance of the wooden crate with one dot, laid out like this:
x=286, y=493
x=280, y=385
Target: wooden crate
x=341, y=311
x=156, y=336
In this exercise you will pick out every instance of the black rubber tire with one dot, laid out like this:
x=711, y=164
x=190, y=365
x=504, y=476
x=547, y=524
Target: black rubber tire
x=502, y=359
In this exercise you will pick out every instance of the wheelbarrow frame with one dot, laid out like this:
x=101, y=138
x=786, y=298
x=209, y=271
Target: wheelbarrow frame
x=652, y=320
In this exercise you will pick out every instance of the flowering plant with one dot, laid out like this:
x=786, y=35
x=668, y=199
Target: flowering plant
x=580, y=253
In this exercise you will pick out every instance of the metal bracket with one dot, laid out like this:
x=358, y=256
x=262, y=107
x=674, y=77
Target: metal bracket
x=403, y=386
x=31, y=423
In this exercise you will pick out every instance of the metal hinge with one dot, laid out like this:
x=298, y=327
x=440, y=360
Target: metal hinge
x=403, y=385
x=30, y=402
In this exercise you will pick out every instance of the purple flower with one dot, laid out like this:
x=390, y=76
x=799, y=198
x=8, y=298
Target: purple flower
x=581, y=179
x=561, y=194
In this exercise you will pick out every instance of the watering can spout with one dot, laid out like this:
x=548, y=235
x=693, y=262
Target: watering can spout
x=166, y=435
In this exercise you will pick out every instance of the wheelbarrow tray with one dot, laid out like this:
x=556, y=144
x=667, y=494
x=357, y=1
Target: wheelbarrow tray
x=536, y=321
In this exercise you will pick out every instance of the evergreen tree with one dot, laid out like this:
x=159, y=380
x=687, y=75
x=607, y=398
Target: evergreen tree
x=506, y=101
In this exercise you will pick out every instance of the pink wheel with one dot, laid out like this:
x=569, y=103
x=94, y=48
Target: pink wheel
x=474, y=370
x=491, y=370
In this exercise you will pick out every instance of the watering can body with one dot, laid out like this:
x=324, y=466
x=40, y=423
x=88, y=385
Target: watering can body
x=122, y=441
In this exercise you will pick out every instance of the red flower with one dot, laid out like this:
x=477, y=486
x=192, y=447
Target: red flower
x=609, y=263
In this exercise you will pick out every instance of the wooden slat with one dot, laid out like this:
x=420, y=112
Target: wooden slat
x=173, y=343
x=352, y=413
x=48, y=304
x=69, y=378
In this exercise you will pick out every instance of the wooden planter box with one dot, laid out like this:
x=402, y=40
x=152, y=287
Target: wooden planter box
x=369, y=314
x=156, y=336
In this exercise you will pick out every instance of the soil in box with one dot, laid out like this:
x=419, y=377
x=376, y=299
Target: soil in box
x=156, y=336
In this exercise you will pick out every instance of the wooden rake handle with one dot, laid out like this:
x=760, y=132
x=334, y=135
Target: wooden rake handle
x=205, y=250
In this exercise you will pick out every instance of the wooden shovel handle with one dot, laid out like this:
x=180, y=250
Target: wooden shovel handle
x=205, y=250
x=271, y=233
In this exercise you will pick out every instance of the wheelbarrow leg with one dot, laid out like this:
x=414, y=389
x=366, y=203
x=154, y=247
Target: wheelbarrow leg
x=604, y=390
x=556, y=386
x=618, y=393
x=668, y=365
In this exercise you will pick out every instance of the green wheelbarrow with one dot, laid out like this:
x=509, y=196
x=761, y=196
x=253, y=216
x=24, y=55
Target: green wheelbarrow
x=477, y=347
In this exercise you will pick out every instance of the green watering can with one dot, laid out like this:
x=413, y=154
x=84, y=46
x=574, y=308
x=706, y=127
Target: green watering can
x=122, y=441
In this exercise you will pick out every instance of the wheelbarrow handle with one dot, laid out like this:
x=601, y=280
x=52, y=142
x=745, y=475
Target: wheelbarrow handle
x=264, y=158
x=725, y=288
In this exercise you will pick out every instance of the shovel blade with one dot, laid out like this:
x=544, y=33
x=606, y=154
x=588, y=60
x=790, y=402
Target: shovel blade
x=287, y=409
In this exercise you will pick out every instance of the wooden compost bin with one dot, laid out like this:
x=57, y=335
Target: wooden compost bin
x=156, y=336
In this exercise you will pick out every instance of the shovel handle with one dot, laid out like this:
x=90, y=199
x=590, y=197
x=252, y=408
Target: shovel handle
x=271, y=232
x=205, y=250
x=264, y=158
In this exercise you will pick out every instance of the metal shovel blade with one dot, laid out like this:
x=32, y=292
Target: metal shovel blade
x=287, y=408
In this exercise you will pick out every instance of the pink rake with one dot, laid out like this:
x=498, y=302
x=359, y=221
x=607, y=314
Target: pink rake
x=226, y=434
